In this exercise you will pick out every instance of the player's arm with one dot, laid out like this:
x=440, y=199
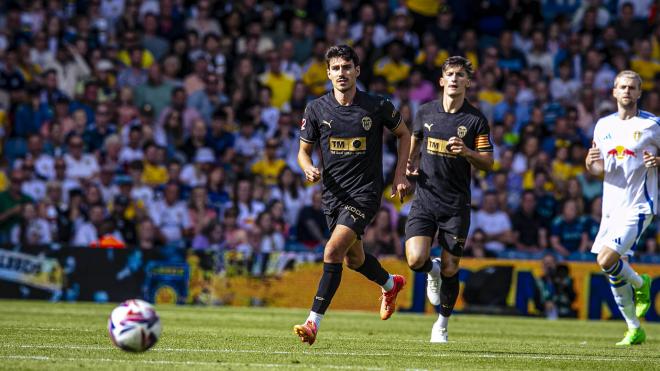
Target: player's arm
x=480, y=160
x=400, y=185
x=412, y=166
x=594, y=161
x=312, y=173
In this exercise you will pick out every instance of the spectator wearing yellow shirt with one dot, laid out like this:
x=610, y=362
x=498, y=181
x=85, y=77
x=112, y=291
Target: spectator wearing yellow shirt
x=392, y=66
x=131, y=41
x=315, y=76
x=269, y=166
x=155, y=173
x=280, y=83
x=645, y=65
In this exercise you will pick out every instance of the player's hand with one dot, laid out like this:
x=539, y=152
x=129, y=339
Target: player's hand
x=649, y=159
x=312, y=174
x=412, y=169
x=456, y=146
x=594, y=154
x=401, y=186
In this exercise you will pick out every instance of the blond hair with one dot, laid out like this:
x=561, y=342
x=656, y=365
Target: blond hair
x=628, y=74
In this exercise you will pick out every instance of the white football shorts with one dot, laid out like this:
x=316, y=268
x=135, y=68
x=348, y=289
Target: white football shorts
x=621, y=232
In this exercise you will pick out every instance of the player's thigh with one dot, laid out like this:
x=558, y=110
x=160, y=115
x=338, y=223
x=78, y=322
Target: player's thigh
x=340, y=241
x=452, y=232
x=620, y=233
x=356, y=218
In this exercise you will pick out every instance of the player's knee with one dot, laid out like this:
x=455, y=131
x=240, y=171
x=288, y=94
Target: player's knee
x=415, y=261
x=606, y=259
x=333, y=254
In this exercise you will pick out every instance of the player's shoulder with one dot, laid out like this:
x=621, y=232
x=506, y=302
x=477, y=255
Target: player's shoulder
x=649, y=116
x=317, y=104
x=429, y=107
x=471, y=110
x=612, y=117
x=373, y=102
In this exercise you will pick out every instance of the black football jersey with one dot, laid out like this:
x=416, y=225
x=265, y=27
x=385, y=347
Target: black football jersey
x=444, y=178
x=351, y=142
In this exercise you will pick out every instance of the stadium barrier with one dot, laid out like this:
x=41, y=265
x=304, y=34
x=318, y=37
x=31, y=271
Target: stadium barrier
x=92, y=274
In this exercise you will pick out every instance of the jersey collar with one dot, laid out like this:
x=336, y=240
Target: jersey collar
x=355, y=102
x=441, y=108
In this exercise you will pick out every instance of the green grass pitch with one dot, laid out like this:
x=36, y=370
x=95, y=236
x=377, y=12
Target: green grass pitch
x=39, y=335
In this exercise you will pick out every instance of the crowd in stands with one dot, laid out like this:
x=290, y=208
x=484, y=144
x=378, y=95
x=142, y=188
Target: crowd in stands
x=173, y=125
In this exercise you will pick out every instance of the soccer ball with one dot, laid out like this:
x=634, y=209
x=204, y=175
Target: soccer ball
x=134, y=326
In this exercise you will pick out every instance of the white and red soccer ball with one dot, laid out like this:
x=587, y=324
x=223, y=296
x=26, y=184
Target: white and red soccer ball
x=134, y=326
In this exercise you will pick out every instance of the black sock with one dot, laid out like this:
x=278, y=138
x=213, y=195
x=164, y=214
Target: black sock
x=428, y=265
x=372, y=269
x=448, y=294
x=327, y=287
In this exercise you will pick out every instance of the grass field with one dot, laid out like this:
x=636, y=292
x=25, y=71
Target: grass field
x=39, y=335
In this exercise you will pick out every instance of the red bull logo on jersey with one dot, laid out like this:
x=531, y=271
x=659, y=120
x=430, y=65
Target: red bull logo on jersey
x=621, y=152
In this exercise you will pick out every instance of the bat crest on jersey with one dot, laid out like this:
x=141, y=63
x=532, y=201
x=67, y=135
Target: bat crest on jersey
x=462, y=130
x=366, y=122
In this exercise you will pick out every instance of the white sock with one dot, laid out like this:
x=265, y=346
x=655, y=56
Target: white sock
x=444, y=321
x=435, y=269
x=623, y=296
x=316, y=318
x=630, y=275
x=389, y=284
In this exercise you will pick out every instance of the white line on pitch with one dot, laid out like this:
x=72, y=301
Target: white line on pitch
x=559, y=357
x=188, y=363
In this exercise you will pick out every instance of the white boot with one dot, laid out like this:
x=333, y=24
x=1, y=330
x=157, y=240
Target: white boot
x=433, y=285
x=438, y=334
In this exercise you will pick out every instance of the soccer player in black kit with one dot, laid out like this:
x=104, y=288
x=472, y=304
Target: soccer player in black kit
x=348, y=125
x=449, y=135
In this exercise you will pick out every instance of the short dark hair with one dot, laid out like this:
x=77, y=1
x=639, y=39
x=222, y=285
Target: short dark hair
x=341, y=51
x=458, y=61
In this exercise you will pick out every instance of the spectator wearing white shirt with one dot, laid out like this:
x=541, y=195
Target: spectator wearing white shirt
x=32, y=185
x=32, y=230
x=79, y=165
x=133, y=150
x=88, y=232
x=170, y=215
x=196, y=174
x=494, y=222
x=248, y=144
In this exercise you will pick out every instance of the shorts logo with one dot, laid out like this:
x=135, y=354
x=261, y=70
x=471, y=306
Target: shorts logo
x=637, y=135
x=347, y=145
x=366, y=122
x=428, y=126
x=354, y=218
x=462, y=130
x=354, y=210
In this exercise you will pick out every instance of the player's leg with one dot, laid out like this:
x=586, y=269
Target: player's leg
x=630, y=290
x=333, y=255
x=370, y=267
x=420, y=230
x=452, y=235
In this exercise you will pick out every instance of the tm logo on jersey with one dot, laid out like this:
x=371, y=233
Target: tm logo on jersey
x=438, y=147
x=345, y=146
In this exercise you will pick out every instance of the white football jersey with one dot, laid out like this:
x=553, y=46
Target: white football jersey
x=629, y=186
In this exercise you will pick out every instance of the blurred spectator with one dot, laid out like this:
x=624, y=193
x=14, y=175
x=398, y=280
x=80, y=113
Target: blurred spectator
x=33, y=230
x=554, y=290
x=155, y=173
x=196, y=174
x=529, y=234
x=155, y=91
x=126, y=227
x=170, y=216
x=11, y=202
x=200, y=211
x=494, y=222
x=132, y=151
x=569, y=233
x=279, y=82
x=272, y=241
x=206, y=101
x=475, y=246
x=380, y=237
x=79, y=165
x=33, y=185
x=269, y=166
x=312, y=229
x=88, y=232
x=290, y=191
